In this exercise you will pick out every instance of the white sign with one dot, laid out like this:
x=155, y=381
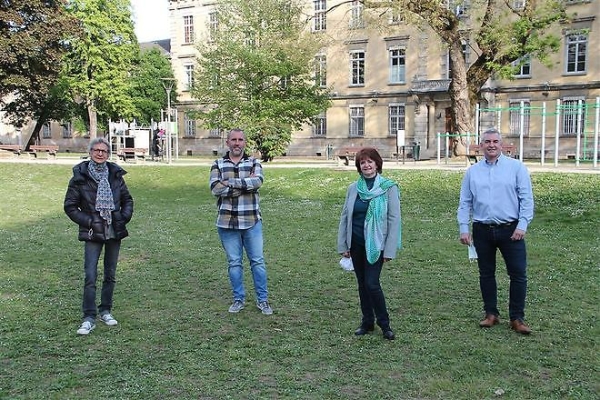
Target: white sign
x=400, y=137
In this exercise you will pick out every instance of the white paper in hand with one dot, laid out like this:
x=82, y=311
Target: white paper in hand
x=472, y=252
x=346, y=264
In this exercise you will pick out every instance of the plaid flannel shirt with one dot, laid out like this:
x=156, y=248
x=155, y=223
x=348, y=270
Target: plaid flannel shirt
x=238, y=201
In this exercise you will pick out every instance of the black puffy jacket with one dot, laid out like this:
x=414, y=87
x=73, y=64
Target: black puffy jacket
x=80, y=203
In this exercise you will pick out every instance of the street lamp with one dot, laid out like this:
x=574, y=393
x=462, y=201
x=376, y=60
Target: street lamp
x=168, y=84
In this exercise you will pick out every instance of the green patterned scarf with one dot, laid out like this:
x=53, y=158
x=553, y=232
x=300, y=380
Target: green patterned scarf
x=376, y=214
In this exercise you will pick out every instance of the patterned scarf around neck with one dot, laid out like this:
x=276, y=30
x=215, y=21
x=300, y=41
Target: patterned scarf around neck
x=105, y=203
x=376, y=214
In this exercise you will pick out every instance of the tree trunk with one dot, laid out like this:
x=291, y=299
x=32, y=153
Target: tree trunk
x=93, y=115
x=35, y=135
x=462, y=110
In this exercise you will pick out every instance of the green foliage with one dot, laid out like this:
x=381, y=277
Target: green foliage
x=176, y=340
x=255, y=72
x=147, y=91
x=98, y=65
x=34, y=35
x=498, y=34
x=526, y=34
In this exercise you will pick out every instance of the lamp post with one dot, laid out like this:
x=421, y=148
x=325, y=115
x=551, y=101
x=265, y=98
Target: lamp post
x=168, y=85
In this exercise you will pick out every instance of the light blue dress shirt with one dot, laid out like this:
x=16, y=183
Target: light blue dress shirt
x=496, y=193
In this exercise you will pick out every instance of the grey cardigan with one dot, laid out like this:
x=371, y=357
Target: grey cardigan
x=391, y=230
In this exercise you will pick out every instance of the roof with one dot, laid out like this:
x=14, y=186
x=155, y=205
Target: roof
x=164, y=45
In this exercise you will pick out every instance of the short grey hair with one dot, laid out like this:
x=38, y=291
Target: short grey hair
x=97, y=140
x=236, y=130
x=491, y=131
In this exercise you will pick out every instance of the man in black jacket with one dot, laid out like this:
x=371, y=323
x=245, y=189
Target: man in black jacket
x=99, y=201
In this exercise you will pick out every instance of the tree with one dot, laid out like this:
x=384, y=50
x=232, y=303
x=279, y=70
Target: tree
x=34, y=35
x=501, y=32
x=255, y=73
x=98, y=66
x=147, y=91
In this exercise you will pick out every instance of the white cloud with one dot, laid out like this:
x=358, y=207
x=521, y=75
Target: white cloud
x=151, y=19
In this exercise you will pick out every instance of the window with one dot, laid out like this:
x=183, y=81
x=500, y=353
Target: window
x=459, y=7
x=213, y=25
x=189, y=126
x=214, y=132
x=573, y=117
x=446, y=65
x=320, y=125
x=188, y=29
x=524, y=64
x=46, y=132
x=357, y=68
x=576, y=44
x=357, y=121
x=395, y=18
x=321, y=70
x=67, y=131
x=320, y=17
x=356, y=15
x=518, y=4
x=519, y=110
x=466, y=51
x=397, y=65
x=189, y=76
x=396, y=118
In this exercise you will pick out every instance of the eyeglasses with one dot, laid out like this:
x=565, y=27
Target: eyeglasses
x=100, y=151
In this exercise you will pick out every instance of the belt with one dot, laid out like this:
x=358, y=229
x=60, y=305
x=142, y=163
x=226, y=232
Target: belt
x=497, y=225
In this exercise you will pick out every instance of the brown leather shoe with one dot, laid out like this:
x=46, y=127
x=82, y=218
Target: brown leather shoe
x=519, y=326
x=489, y=321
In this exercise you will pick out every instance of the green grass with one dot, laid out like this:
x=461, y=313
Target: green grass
x=176, y=340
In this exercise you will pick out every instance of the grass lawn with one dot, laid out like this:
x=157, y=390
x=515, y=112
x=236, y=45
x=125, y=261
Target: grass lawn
x=176, y=340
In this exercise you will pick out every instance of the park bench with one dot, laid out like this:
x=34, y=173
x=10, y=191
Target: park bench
x=130, y=153
x=347, y=154
x=14, y=148
x=475, y=152
x=50, y=150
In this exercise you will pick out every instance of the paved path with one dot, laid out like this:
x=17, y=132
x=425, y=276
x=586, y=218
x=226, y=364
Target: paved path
x=293, y=162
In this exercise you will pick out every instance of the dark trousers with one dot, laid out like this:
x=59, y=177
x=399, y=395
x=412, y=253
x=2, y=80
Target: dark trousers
x=487, y=240
x=92, y=252
x=372, y=300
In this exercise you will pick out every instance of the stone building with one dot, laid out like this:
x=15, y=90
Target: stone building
x=397, y=78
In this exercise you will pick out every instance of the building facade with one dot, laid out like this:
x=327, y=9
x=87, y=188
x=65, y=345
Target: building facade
x=386, y=76
x=396, y=78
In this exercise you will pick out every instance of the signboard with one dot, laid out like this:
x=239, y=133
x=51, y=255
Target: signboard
x=400, y=138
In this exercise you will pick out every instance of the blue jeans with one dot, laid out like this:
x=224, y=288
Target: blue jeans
x=234, y=242
x=92, y=252
x=372, y=299
x=487, y=240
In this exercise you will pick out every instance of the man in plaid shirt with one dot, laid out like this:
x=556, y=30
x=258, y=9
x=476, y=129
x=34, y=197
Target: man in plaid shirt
x=234, y=180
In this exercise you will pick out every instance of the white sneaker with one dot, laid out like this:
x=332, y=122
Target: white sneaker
x=108, y=319
x=85, y=328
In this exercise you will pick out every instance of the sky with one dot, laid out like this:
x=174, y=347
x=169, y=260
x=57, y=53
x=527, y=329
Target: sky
x=151, y=19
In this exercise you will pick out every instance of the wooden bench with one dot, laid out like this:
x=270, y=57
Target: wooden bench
x=346, y=154
x=132, y=153
x=50, y=150
x=475, y=152
x=14, y=148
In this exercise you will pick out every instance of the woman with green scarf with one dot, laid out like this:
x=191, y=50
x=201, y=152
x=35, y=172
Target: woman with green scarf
x=370, y=233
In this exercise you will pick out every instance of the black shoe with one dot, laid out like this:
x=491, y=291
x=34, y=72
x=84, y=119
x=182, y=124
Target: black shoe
x=388, y=334
x=364, y=329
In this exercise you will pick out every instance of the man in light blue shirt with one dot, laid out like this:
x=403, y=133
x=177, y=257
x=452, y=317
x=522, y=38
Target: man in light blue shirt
x=496, y=196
